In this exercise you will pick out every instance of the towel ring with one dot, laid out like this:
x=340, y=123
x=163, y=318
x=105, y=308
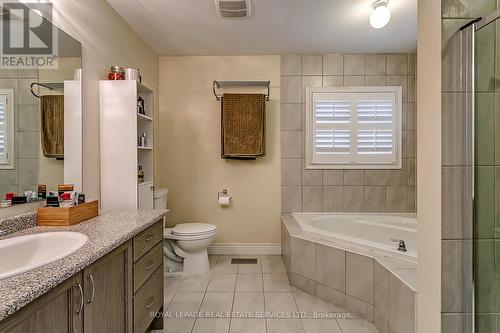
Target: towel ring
x=241, y=84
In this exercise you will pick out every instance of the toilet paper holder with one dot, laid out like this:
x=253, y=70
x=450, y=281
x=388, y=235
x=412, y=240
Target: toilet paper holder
x=223, y=193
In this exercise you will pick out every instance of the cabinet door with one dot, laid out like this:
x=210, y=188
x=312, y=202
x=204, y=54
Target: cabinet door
x=145, y=196
x=59, y=311
x=108, y=292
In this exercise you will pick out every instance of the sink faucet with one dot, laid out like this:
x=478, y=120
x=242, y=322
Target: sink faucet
x=401, y=246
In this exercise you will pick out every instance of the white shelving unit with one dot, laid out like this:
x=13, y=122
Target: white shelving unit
x=121, y=126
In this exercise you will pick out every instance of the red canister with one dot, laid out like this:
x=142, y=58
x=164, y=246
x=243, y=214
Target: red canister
x=117, y=73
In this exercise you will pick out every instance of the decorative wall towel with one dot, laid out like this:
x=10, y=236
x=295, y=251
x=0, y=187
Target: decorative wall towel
x=243, y=126
x=52, y=107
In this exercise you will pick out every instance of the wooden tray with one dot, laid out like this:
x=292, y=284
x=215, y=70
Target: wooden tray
x=60, y=216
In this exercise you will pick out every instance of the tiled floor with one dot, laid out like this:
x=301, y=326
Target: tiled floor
x=252, y=294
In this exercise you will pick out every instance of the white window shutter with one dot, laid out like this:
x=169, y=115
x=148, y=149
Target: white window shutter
x=353, y=127
x=6, y=129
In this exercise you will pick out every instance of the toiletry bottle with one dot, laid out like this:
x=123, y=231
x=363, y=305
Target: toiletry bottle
x=140, y=106
x=140, y=174
x=143, y=140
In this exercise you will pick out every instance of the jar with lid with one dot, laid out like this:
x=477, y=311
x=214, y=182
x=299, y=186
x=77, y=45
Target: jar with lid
x=117, y=73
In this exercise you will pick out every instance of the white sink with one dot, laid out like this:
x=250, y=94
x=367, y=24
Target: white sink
x=25, y=253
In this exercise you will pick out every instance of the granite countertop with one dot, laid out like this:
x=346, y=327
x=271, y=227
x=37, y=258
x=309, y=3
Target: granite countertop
x=105, y=232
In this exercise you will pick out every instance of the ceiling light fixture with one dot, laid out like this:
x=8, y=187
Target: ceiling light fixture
x=381, y=14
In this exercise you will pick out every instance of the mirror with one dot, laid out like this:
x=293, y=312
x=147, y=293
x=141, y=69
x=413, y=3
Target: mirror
x=40, y=114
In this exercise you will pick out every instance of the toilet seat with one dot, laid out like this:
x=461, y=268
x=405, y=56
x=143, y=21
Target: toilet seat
x=193, y=229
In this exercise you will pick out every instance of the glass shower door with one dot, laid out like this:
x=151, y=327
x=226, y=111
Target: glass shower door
x=486, y=231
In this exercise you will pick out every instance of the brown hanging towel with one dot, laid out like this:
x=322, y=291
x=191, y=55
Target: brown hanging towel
x=52, y=108
x=243, y=126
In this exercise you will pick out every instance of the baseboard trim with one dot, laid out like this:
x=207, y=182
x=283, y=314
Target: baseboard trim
x=245, y=248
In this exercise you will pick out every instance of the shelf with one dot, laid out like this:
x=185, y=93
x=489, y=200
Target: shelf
x=148, y=183
x=143, y=117
x=143, y=89
x=144, y=148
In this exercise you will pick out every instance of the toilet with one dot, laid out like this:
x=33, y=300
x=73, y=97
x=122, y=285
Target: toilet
x=190, y=242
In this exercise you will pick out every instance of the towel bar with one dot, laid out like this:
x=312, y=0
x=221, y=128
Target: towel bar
x=50, y=86
x=241, y=84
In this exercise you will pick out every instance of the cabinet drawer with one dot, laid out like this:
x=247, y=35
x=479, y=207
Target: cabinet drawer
x=144, y=241
x=148, y=299
x=147, y=265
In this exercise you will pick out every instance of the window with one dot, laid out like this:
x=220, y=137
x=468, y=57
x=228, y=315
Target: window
x=353, y=128
x=6, y=129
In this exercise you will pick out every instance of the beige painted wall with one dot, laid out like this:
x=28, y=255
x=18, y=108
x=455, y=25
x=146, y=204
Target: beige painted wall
x=429, y=166
x=106, y=40
x=189, y=161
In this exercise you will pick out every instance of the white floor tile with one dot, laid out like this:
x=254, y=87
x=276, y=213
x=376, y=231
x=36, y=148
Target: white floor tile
x=249, y=282
x=356, y=326
x=273, y=265
x=224, y=267
x=280, y=302
x=186, y=301
x=310, y=304
x=195, y=283
x=250, y=268
x=222, y=282
x=321, y=326
x=276, y=282
x=177, y=325
x=284, y=326
x=248, y=326
x=248, y=302
x=217, y=302
x=208, y=325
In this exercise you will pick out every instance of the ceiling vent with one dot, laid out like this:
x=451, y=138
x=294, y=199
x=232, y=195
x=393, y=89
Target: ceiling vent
x=233, y=8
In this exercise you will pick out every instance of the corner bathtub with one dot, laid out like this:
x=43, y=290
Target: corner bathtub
x=371, y=232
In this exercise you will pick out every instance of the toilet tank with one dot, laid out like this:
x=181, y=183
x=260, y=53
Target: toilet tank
x=161, y=198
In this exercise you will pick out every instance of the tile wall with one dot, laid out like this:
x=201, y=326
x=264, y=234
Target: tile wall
x=458, y=238
x=27, y=134
x=345, y=190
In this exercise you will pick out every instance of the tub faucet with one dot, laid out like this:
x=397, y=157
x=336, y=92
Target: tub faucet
x=3, y=232
x=401, y=246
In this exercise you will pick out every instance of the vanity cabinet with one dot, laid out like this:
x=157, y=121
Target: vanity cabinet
x=61, y=310
x=108, y=293
x=116, y=294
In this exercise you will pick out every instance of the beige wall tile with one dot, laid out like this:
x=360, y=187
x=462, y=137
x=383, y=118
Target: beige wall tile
x=330, y=267
x=333, y=198
x=353, y=198
x=291, y=172
x=312, y=198
x=312, y=65
x=291, y=64
x=397, y=64
x=374, y=199
x=334, y=297
x=359, y=308
x=401, y=307
x=333, y=64
x=291, y=199
x=359, y=277
x=354, y=177
x=303, y=258
x=333, y=177
x=290, y=89
x=291, y=117
x=375, y=64
x=354, y=64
